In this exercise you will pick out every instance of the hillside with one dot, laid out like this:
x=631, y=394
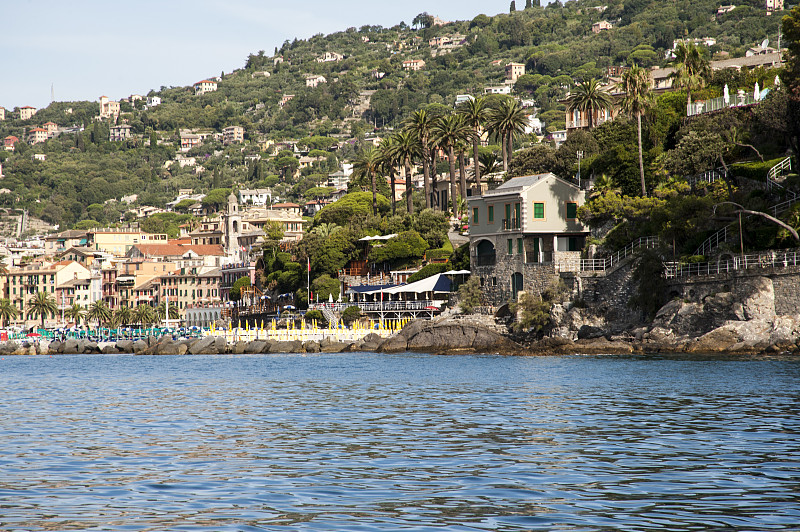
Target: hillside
x=83, y=170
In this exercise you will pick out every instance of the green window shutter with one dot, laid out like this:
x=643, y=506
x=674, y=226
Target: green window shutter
x=538, y=211
x=517, y=211
x=519, y=246
x=508, y=211
x=510, y=247
x=572, y=211
x=573, y=243
x=475, y=215
x=491, y=213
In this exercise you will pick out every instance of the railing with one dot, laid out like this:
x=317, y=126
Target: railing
x=380, y=306
x=778, y=170
x=717, y=104
x=486, y=260
x=706, y=177
x=511, y=224
x=329, y=315
x=609, y=263
x=769, y=259
x=711, y=243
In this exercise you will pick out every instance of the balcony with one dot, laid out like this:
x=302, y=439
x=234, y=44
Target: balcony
x=511, y=224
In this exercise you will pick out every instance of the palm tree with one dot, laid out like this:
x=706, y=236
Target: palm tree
x=636, y=85
x=449, y=131
x=507, y=119
x=365, y=165
x=99, y=311
x=161, y=312
x=121, y=316
x=603, y=185
x=406, y=148
x=7, y=311
x=388, y=163
x=489, y=163
x=42, y=304
x=74, y=313
x=475, y=113
x=326, y=229
x=3, y=267
x=144, y=315
x=691, y=69
x=589, y=98
x=420, y=124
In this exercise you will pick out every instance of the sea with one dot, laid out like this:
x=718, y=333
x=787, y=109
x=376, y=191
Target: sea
x=402, y=442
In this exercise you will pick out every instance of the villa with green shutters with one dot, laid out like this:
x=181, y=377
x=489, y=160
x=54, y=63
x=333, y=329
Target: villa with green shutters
x=521, y=231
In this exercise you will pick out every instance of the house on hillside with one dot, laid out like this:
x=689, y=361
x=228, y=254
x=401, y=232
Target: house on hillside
x=2, y=113
x=233, y=135
x=153, y=101
x=9, y=142
x=329, y=57
x=36, y=135
x=525, y=227
x=514, y=71
x=204, y=86
x=314, y=80
x=119, y=132
x=597, y=27
x=27, y=112
x=108, y=108
x=413, y=65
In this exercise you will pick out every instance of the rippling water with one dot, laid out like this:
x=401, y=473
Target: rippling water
x=400, y=442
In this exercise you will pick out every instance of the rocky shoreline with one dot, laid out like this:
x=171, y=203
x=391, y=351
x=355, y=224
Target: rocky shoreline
x=462, y=335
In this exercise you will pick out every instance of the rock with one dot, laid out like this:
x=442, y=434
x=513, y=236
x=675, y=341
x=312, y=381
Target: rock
x=335, y=347
x=311, y=346
x=239, y=348
x=588, y=331
x=124, y=346
x=139, y=346
x=220, y=345
x=205, y=345
x=110, y=350
x=287, y=347
x=170, y=348
x=394, y=344
x=90, y=347
x=717, y=340
x=54, y=346
x=70, y=347
x=758, y=298
x=31, y=350
x=603, y=346
x=43, y=348
x=257, y=346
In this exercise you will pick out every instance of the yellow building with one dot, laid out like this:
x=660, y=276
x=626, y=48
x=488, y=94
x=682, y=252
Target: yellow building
x=119, y=241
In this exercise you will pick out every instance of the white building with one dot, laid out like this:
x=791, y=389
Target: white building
x=153, y=101
x=255, y=196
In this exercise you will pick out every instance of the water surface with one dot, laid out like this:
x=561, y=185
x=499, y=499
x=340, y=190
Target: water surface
x=398, y=442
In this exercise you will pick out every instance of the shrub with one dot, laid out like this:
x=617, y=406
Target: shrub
x=351, y=314
x=469, y=295
x=312, y=315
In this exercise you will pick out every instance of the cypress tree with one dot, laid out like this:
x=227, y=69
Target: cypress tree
x=513, y=6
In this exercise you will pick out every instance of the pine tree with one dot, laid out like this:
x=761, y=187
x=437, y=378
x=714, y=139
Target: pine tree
x=513, y=6
x=527, y=4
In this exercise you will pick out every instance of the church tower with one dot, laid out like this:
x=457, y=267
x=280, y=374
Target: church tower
x=233, y=227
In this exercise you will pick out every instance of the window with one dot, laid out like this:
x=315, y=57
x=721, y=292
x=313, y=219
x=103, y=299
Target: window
x=517, y=214
x=519, y=246
x=491, y=213
x=510, y=246
x=475, y=215
x=538, y=211
x=572, y=211
x=508, y=211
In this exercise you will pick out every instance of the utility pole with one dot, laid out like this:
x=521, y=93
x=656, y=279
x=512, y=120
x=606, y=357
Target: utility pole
x=580, y=156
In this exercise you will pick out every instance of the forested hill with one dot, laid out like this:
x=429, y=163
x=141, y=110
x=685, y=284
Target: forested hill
x=555, y=42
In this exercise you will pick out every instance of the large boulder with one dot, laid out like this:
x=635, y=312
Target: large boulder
x=171, y=348
x=203, y=345
x=757, y=296
x=70, y=346
x=257, y=346
x=139, y=346
x=124, y=346
x=451, y=335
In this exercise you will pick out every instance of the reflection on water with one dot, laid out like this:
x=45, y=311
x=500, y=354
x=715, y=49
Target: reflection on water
x=404, y=442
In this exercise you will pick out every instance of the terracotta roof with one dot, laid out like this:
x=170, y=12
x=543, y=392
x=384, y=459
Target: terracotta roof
x=28, y=107
x=289, y=204
x=176, y=250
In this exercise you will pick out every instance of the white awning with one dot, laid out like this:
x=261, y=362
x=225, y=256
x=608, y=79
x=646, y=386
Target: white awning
x=429, y=284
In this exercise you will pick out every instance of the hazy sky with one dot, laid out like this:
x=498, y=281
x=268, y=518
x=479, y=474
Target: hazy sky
x=88, y=48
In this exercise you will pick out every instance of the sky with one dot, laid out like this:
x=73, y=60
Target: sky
x=89, y=48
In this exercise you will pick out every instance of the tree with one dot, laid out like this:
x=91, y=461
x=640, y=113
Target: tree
x=636, y=86
x=216, y=198
x=513, y=7
x=74, y=313
x=161, y=311
x=7, y=311
x=691, y=69
x=42, y=304
x=449, y=130
x=469, y=295
x=388, y=163
x=507, y=119
x=99, y=311
x=366, y=165
x=405, y=149
x=144, y=315
x=589, y=98
x=121, y=316
x=420, y=124
x=475, y=113
x=236, y=289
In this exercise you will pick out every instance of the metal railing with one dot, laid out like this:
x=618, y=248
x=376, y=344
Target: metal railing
x=778, y=170
x=510, y=224
x=609, y=263
x=378, y=306
x=706, y=177
x=768, y=259
x=717, y=104
x=711, y=243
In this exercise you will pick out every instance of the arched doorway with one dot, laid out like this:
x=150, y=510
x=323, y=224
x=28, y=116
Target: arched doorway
x=516, y=284
x=485, y=253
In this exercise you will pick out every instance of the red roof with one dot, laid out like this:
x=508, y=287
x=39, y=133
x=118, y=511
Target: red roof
x=49, y=123
x=37, y=129
x=205, y=81
x=289, y=205
x=11, y=138
x=166, y=250
x=28, y=107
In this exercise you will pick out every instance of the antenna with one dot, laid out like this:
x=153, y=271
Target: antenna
x=764, y=44
x=52, y=94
